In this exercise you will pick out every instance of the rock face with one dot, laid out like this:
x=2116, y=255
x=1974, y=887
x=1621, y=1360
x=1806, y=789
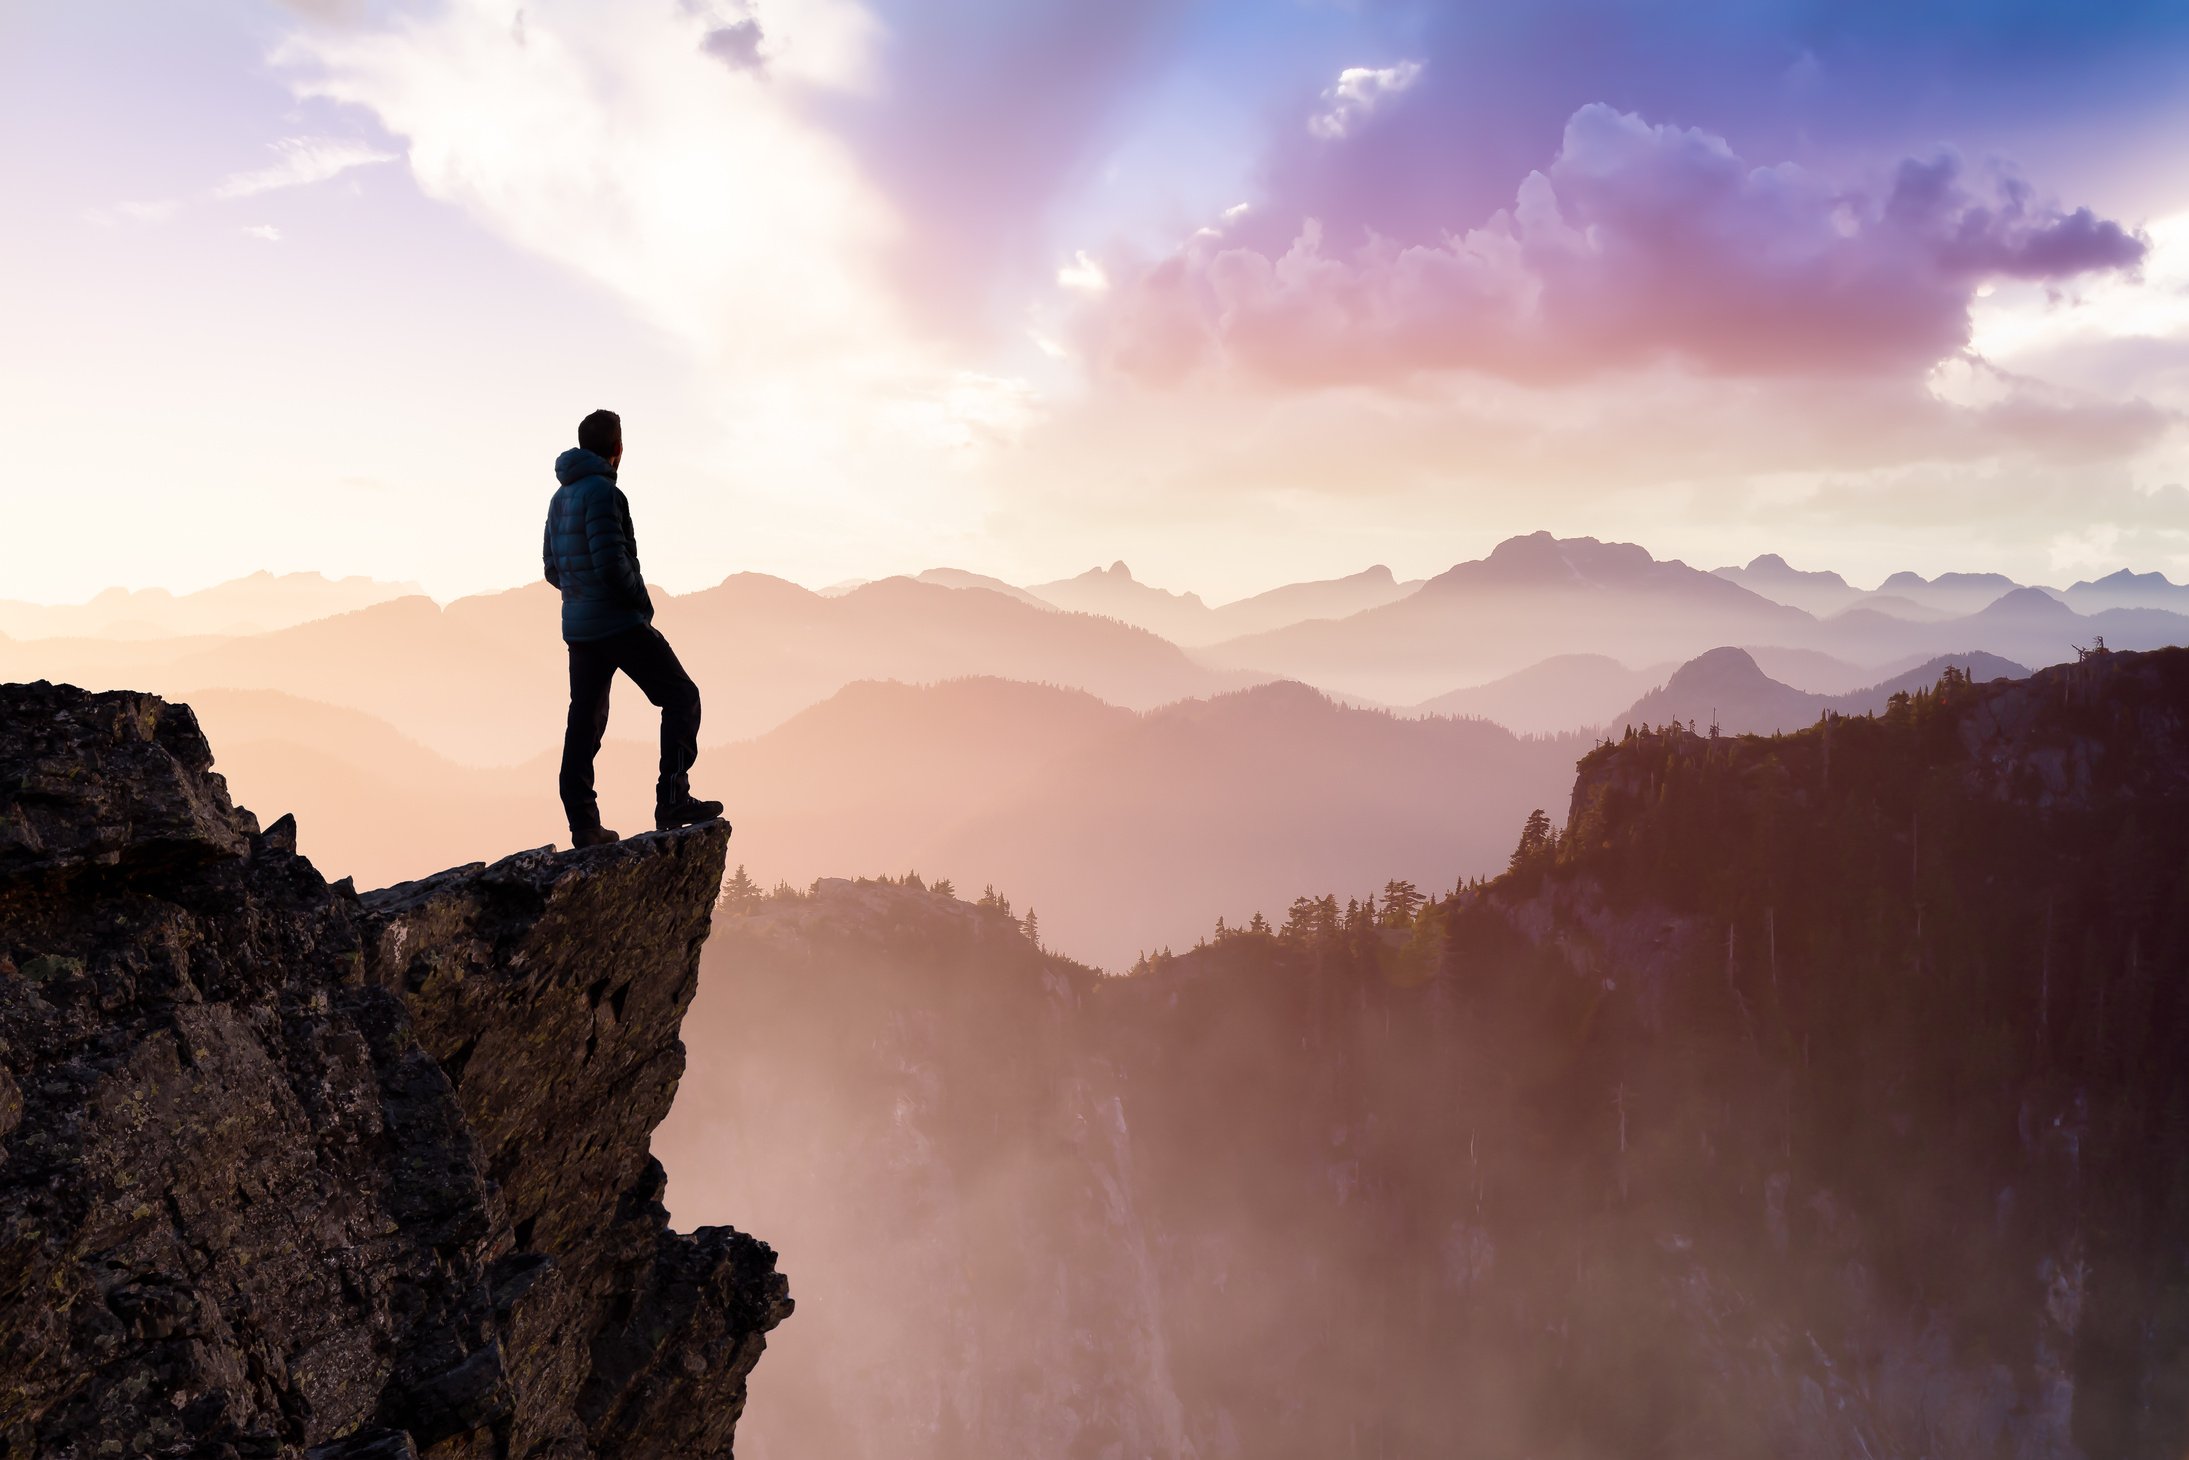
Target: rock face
x=284, y=1170
x=1817, y=1096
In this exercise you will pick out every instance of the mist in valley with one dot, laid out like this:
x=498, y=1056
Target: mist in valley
x=1703, y=1130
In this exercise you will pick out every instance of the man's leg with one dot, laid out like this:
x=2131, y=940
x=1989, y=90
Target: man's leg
x=652, y=665
x=592, y=668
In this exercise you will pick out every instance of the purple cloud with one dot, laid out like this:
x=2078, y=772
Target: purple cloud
x=1638, y=244
x=736, y=45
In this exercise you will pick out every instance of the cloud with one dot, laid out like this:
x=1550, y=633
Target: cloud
x=726, y=216
x=301, y=162
x=1083, y=274
x=1359, y=92
x=984, y=116
x=1835, y=85
x=1638, y=244
x=2011, y=238
x=736, y=45
x=267, y=231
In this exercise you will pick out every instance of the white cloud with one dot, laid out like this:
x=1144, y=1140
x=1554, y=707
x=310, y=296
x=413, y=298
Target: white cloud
x=302, y=160
x=1083, y=274
x=2027, y=320
x=723, y=214
x=1360, y=90
x=266, y=231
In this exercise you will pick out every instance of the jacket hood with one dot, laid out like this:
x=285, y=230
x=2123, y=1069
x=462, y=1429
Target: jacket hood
x=578, y=462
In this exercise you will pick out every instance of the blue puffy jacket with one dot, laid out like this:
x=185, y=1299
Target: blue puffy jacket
x=590, y=551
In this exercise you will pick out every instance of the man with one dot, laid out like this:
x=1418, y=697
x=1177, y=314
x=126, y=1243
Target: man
x=591, y=554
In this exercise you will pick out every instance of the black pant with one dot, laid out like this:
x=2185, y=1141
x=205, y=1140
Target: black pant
x=644, y=655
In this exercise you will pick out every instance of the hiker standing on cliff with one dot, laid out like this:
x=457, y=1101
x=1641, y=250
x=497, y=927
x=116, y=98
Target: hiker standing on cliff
x=591, y=554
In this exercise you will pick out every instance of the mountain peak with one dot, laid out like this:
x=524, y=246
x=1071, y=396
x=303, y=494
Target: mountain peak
x=1721, y=666
x=2030, y=603
x=1539, y=560
x=2129, y=578
x=1544, y=558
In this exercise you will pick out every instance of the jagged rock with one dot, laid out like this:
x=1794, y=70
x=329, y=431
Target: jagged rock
x=286, y=1171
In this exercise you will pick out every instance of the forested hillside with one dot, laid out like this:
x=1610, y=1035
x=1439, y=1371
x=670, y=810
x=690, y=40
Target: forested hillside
x=1816, y=1094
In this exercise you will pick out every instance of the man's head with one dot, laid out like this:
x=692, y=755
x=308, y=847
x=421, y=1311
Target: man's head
x=602, y=434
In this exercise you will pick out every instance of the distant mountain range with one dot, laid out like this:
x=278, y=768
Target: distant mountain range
x=253, y=605
x=1536, y=598
x=1119, y=780
x=1948, y=594
x=1185, y=619
x=483, y=680
x=1819, y=593
x=1531, y=599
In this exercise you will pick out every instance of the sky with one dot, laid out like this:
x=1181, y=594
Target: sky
x=1238, y=291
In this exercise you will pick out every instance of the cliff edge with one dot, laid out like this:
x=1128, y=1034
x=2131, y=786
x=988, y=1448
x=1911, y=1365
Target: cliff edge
x=287, y=1171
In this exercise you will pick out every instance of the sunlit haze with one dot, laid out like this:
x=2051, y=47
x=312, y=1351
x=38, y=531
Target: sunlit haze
x=1241, y=293
x=1094, y=729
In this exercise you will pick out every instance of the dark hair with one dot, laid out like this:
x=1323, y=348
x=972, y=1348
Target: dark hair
x=601, y=433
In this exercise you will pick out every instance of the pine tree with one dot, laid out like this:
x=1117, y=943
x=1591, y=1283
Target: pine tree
x=1536, y=841
x=945, y=887
x=740, y=891
x=1401, y=901
x=1033, y=929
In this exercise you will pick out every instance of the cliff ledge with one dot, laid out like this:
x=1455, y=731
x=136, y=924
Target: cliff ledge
x=286, y=1171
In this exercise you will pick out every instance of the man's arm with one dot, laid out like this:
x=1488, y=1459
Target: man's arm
x=615, y=557
x=547, y=552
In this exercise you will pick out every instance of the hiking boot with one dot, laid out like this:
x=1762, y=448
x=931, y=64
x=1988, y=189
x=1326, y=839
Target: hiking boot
x=591, y=836
x=686, y=810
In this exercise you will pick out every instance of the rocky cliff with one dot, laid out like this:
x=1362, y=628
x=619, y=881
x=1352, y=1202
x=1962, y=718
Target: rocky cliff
x=1817, y=1095
x=285, y=1170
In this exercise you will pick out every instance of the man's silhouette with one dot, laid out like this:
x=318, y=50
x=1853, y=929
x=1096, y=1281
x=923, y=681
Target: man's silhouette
x=591, y=554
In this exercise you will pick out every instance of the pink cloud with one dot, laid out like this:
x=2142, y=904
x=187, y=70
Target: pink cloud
x=1638, y=244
